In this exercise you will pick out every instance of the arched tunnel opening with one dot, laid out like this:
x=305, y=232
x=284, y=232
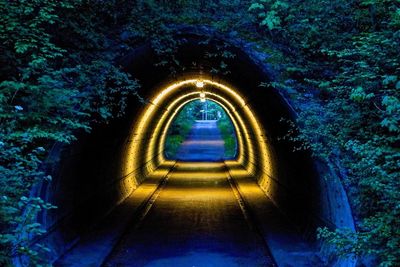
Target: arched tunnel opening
x=201, y=131
x=100, y=172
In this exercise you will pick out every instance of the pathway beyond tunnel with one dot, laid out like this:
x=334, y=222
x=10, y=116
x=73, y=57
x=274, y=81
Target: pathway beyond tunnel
x=204, y=143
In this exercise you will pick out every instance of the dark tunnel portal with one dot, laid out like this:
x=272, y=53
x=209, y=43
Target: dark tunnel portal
x=88, y=185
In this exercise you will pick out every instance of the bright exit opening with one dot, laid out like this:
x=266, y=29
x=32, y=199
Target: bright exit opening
x=202, y=131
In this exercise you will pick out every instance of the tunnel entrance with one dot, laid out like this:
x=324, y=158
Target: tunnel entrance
x=151, y=191
x=202, y=131
x=123, y=177
x=195, y=208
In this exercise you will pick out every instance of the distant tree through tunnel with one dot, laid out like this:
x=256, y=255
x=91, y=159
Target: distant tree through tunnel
x=202, y=131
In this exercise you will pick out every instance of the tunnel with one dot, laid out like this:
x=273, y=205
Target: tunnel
x=99, y=172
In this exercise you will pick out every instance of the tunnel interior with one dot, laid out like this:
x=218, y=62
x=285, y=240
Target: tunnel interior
x=102, y=168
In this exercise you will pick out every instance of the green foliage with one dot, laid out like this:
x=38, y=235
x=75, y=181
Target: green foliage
x=270, y=13
x=358, y=95
x=48, y=93
x=391, y=118
x=57, y=78
x=228, y=134
x=172, y=145
x=180, y=128
x=344, y=60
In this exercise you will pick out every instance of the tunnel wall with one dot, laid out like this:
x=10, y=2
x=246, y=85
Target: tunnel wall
x=93, y=176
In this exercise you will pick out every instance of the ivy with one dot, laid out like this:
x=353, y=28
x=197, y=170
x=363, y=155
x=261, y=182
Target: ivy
x=346, y=54
x=49, y=92
x=339, y=62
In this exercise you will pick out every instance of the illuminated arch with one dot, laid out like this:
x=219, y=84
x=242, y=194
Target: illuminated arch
x=239, y=137
x=145, y=152
x=231, y=117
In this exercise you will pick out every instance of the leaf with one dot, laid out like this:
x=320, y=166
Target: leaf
x=271, y=20
x=21, y=48
x=255, y=6
x=389, y=79
x=392, y=125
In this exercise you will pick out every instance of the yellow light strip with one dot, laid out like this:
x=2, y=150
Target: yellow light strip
x=144, y=153
x=174, y=86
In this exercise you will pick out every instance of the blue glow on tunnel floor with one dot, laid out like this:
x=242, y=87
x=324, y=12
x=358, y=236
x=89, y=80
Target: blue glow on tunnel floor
x=204, y=143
